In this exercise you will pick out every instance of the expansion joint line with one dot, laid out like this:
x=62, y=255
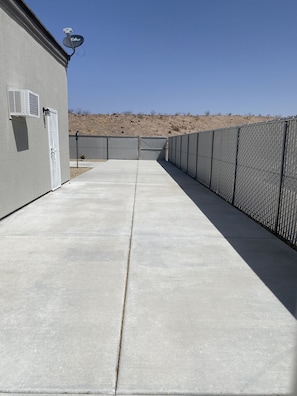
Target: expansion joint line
x=126, y=284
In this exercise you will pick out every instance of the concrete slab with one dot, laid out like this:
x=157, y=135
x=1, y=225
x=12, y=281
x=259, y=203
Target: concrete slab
x=198, y=318
x=63, y=271
x=199, y=321
x=206, y=309
x=85, y=216
x=60, y=297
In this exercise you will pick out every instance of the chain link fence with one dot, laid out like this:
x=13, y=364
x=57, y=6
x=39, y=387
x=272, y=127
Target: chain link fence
x=224, y=163
x=287, y=210
x=253, y=167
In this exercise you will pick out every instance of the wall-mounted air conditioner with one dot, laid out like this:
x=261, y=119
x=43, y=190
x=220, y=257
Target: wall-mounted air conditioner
x=23, y=103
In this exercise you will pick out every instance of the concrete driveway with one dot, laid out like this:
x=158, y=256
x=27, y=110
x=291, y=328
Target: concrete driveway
x=133, y=279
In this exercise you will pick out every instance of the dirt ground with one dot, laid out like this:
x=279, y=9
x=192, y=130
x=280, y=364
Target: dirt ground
x=74, y=172
x=154, y=124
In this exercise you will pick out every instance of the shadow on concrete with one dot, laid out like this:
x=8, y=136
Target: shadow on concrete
x=274, y=262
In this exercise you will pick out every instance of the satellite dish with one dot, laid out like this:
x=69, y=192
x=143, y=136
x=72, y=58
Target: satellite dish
x=73, y=40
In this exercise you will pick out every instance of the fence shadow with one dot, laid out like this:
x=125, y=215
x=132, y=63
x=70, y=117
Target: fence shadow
x=274, y=262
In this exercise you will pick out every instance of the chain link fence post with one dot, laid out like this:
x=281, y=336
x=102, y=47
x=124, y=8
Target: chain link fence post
x=282, y=169
x=236, y=165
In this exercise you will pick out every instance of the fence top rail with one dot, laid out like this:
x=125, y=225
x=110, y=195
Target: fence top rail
x=276, y=121
x=120, y=136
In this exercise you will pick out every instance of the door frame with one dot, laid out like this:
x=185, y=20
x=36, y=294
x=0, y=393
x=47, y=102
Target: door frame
x=54, y=148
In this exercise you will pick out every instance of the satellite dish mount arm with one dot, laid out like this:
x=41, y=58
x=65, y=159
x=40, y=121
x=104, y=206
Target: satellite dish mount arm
x=67, y=31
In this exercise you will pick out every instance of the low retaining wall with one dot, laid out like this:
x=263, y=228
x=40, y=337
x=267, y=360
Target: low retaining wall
x=254, y=167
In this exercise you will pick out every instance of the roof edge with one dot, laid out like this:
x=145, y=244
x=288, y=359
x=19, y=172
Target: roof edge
x=20, y=12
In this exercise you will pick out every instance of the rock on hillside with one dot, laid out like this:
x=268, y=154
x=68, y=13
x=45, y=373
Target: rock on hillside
x=154, y=124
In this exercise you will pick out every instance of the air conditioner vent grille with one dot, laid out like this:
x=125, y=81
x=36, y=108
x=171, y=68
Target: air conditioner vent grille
x=15, y=102
x=34, y=104
x=18, y=102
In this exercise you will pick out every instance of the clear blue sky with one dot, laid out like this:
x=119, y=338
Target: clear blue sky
x=169, y=56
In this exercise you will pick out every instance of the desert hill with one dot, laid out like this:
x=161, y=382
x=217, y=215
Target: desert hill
x=127, y=124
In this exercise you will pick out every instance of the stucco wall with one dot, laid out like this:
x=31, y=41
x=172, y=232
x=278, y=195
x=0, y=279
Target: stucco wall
x=24, y=147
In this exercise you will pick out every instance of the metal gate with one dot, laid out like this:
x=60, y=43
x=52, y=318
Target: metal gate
x=152, y=148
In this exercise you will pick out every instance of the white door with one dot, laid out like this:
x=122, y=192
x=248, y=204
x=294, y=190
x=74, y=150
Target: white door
x=54, y=152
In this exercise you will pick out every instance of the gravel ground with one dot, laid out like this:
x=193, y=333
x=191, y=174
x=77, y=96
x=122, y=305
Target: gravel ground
x=74, y=172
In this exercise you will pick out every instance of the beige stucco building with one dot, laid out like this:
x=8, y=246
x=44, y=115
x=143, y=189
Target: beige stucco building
x=34, y=142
